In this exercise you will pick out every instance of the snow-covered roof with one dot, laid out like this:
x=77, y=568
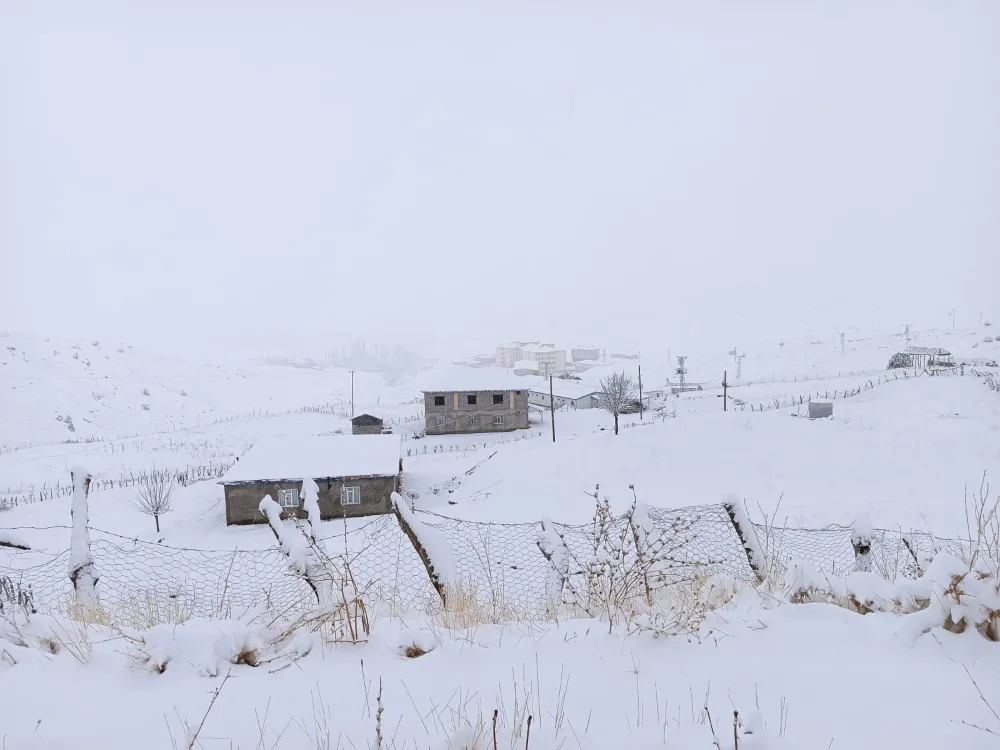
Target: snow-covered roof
x=567, y=390
x=922, y=350
x=317, y=457
x=526, y=364
x=539, y=349
x=464, y=379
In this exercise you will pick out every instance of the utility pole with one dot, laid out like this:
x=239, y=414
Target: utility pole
x=739, y=366
x=725, y=385
x=841, y=345
x=953, y=318
x=552, y=409
x=907, y=335
x=352, y=394
x=640, y=391
x=681, y=371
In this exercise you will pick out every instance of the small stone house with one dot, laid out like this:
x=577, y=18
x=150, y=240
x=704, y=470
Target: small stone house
x=355, y=477
x=366, y=424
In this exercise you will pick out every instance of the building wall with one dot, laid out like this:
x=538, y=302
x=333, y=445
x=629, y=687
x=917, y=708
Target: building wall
x=506, y=356
x=458, y=416
x=366, y=429
x=537, y=398
x=549, y=361
x=243, y=500
x=585, y=353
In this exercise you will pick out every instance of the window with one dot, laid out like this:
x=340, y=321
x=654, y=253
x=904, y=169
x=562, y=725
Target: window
x=497, y=398
x=498, y=419
x=471, y=398
x=288, y=498
x=439, y=401
x=350, y=496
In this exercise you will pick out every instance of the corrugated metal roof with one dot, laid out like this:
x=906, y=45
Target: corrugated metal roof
x=918, y=350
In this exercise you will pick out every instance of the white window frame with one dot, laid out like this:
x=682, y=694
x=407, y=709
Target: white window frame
x=497, y=420
x=350, y=495
x=288, y=498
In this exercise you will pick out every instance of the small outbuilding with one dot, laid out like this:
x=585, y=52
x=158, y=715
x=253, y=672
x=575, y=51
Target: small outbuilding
x=820, y=408
x=924, y=356
x=525, y=367
x=354, y=477
x=366, y=424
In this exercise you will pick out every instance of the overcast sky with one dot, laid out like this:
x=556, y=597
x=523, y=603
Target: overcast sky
x=625, y=173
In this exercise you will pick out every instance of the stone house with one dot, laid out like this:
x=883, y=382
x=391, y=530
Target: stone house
x=366, y=424
x=475, y=410
x=354, y=477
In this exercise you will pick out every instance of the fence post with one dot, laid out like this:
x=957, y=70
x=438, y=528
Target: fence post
x=861, y=539
x=742, y=525
x=436, y=581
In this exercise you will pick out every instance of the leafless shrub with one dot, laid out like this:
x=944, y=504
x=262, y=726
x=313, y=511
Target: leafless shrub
x=155, y=495
x=631, y=572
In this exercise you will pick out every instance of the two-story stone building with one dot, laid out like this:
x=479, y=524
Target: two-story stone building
x=491, y=403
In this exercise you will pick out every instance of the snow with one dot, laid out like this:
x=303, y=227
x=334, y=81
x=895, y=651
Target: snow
x=10, y=539
x=900, y=453
x=206, y=647
x=317, y=457
x=447, y=379
x=563, y=388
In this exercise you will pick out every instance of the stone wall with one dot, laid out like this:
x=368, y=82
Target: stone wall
x=458, y=416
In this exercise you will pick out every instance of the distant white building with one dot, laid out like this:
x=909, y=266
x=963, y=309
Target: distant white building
x=657, y=393
x=548, y=358
x=508, y=354
x=586, y=352
x=573, y=395
x=525, y=367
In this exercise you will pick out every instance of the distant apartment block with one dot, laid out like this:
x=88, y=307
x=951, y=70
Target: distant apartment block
x=508, y=354
x=548, y=358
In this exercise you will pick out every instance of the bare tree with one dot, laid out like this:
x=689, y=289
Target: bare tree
x=156, y=495
x=617, y=393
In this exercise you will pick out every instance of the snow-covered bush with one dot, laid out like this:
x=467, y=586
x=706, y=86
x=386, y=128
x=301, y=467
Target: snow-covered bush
x=950, y=595
x=899, y=360
x=203, y=645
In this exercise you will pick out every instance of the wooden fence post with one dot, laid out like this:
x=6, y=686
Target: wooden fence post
x=436, y=582
x=737, y=517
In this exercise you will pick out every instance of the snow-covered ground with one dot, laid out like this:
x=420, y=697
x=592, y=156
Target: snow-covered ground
x=816, y=675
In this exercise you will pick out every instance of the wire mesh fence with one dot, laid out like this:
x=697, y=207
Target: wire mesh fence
x=500, y=565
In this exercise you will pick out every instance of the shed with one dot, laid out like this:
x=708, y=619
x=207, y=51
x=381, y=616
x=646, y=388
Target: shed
x=366, y=424
x=354, y=477
x=927, y=356
x=525, y=367
x=820, y=408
